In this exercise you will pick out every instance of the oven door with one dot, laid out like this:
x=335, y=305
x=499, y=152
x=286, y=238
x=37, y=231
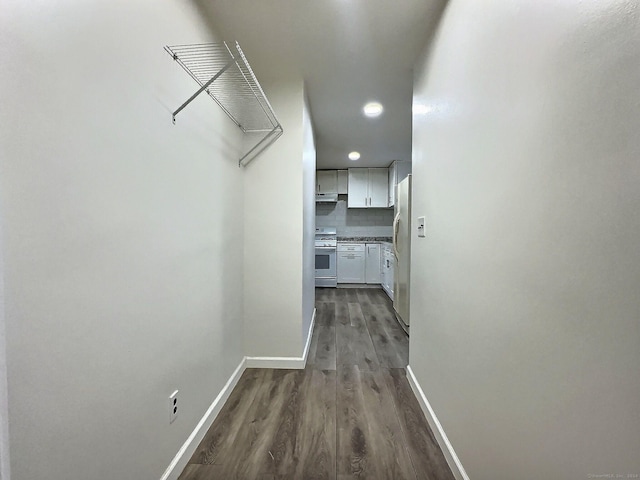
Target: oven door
x=325, y=266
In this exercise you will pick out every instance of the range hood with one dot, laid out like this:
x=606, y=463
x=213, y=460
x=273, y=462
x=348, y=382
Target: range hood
x=326, y=197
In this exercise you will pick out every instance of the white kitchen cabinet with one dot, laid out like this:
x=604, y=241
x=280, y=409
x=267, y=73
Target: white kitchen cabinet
x=351, y=263
x=378, y=187
x=383, y=267
x=372, y=263
x=368, y=188
x=326, y=181
x=359, y=263
x=343, y=182
x=398, y=171
x=387, y=269
x=391, y=274
x=358, y=188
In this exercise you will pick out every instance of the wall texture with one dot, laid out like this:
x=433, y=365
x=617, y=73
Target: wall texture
x=525, y=308
x=122, y=237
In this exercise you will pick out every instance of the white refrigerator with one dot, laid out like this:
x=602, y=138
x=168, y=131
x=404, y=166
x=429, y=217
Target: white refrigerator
x=402, y=250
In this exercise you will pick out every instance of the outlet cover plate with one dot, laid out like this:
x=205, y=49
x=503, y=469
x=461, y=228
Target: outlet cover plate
x=421, y=232
x=173, y=406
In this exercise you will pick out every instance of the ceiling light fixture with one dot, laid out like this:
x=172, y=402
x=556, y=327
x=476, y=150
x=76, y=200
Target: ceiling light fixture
x=372, y=109
x=354, y=155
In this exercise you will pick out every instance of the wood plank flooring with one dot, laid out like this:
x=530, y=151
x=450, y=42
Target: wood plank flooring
x=349, y=414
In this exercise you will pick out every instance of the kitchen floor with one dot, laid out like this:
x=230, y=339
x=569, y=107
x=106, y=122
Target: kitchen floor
x=349, y=414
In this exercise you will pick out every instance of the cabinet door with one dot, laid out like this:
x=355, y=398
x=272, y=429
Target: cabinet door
x=391, y=273
x=372, y=267
x=351, y=267
x=385, y=284
x=392, y=184
x=326, y=181
x=358, y=188
x=343, y=182
x=378, y=187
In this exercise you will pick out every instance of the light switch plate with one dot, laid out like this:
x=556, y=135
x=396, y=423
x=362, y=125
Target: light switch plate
x=421, y=232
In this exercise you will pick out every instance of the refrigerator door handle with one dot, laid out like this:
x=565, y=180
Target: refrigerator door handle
x=396, y=221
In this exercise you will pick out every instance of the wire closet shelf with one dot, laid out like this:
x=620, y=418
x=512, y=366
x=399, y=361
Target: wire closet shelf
x=226, y=76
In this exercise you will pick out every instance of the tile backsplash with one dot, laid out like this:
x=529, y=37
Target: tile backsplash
x=376, y=222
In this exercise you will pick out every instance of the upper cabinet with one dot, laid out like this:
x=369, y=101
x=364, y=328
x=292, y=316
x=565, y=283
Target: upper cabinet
x=343, y=182
x=378, y=187
x=358, y=188
x=326, y=181
x=398, y=171
x=368, y=188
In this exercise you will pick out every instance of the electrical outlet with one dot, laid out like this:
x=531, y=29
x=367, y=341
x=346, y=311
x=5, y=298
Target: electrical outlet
x=421, y=232
x=173, y=406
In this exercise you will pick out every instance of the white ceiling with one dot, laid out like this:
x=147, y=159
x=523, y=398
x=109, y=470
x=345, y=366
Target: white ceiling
x=349, y=52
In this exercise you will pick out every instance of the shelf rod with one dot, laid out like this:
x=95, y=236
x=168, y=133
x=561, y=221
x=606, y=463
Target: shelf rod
x=204, y=87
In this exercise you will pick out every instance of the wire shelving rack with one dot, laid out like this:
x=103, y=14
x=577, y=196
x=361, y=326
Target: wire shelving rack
x=224, y=73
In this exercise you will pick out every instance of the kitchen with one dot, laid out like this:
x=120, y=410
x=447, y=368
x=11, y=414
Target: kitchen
x=362, y=231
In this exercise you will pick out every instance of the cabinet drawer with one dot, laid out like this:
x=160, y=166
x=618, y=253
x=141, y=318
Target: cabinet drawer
x=351, y=247
x=350, y=255
x=351, y=267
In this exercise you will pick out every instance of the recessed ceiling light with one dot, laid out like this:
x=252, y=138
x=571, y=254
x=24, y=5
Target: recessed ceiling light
x=372, y=109
x=354, y=155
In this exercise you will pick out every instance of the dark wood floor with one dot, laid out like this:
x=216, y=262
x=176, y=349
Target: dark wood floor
x=350, y=414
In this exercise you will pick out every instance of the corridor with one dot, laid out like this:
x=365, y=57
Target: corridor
x=350, y=414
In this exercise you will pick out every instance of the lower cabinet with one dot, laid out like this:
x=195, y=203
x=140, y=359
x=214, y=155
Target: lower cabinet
x=372, y=263
x=358, y=263
x=391, y=275
x=351, y=263
x=387, y=270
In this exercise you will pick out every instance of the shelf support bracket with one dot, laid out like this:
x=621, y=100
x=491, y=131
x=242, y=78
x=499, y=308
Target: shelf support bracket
x=203, y=88
x=272, y=136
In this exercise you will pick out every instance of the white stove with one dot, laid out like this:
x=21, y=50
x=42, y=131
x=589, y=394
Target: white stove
x=326, y=242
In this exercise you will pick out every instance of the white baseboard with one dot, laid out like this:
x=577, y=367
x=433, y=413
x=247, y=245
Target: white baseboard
x=289, y=363
x=305, y=353
x=295, y=363
x=181, y=459
x=436, y=427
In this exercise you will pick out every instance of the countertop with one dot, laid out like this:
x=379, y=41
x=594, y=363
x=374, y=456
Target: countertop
x=364, y=239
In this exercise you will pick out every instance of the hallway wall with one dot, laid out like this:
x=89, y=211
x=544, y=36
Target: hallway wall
x=122, y=245
x=279, y=213
x=5, y=465
x=525, y=308
x=308, y=222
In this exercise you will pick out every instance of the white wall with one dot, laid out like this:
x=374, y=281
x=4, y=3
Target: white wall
x=524, y=295
x=308, y=221
x=122, y=239
x=5, y=465
x=276, y=185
